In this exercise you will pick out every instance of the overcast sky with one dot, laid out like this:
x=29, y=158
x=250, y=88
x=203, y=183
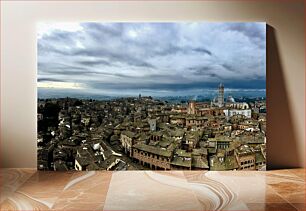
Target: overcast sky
x=152, y=58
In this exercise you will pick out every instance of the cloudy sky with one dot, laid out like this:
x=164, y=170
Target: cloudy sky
x=151, y=58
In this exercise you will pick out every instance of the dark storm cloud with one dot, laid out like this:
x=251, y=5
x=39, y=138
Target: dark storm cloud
x=60, y=36
x=60, y=68
x=229, y=67
x=70, y=72
x=205, y=71
x=114, y=57
x=103, y=31
x=165, y=56
x=253, y=32
x=95, y=62
x=202, y=50
x=258, y=84
x=171, y=49
x=249, y=29
x=49, y=80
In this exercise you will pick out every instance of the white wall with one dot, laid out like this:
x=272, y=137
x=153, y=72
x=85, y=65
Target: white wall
x=285, y=76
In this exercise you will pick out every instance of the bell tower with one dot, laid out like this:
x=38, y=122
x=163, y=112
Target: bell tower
x=221, y=95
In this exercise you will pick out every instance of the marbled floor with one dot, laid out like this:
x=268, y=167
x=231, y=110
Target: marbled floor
x=28, y=189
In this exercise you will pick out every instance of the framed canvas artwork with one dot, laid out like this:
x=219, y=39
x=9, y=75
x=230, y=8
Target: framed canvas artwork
x=151, y=96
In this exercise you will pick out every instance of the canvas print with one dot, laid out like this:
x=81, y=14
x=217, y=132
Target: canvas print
x=151, y=96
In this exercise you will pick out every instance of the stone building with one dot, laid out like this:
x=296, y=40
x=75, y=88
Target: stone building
x=222, y=142
x=81, y=163
x=191, y=140
x=260, y=157
x=219, y=99
x=224, y=160
x=232, y=112
x=221, y=95
x=199, y=159
x=196, y=121
x=127, y=139
x=245, y=156
x=178, y=120
x=152, y=123
x=181, y=160
x=152, y=157
x=238, y=105
x=191, y=107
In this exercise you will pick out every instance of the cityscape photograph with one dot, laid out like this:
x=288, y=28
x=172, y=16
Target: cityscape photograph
x=151, y=96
